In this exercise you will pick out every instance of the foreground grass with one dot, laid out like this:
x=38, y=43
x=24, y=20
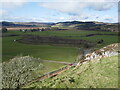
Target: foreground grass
x=48, y=67
x=94, y=74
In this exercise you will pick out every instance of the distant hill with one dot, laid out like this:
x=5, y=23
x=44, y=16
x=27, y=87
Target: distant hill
x=12, y=24
x=75, y=22
x=24, y=24
x=89, y=25
x=93, y=25
x=35, y=23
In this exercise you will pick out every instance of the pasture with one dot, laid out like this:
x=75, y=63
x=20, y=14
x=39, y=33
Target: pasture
x=47, y=52
x=52, y=52
x=70, y=32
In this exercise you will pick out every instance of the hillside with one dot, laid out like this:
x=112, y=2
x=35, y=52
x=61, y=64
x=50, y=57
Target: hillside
x=23, y=24
x=88, y=25
x=99, y=72
x=93, y=25
x=12, y=24
x=94, y=74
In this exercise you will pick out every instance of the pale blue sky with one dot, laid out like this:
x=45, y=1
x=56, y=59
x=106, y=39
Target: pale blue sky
x=60, y=11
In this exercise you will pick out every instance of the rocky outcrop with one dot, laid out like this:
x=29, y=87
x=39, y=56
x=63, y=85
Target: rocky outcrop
x=110, y=50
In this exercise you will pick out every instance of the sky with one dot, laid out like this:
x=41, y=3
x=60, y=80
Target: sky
x=59, y=10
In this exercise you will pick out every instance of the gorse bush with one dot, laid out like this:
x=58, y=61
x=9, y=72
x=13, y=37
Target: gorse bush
x=19, y=71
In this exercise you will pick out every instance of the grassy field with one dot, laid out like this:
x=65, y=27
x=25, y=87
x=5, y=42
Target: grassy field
x=47, y=52
x=58, y=53
x=70, y=32
x=107, y=40
x=48, y=67
x=94, y=74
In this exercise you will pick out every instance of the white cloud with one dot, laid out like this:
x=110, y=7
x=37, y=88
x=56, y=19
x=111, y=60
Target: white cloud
x=109, y=18
x=14, y=0
x=12, y=4
x=6, y=5
x=102, y=6
x=29, y=19
x=2, y=12
x=80, y=17
x=72, y=6
x=76, y=8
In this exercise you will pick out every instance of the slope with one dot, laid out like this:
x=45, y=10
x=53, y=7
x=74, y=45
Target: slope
x=98, y=69
x=94, y=74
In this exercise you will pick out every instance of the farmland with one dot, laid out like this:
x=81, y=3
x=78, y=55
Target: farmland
x=59, y=44
x=47, y=52
x=52, y=52
x=53, y=55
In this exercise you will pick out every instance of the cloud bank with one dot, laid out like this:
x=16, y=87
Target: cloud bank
x=74, y=8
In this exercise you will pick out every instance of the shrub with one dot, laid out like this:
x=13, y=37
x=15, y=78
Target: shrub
x=100, y=41
x=19, y=71
x=4, y=29
x=71, y=79
x=88, y=45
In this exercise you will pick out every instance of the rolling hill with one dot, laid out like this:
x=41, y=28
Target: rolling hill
x=23, y=24
x=89, y=25
x=93, y=25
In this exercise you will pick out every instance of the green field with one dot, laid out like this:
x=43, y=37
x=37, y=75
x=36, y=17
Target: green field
x=48, y=52
x=94, y=74
x=70, y=32
x=10, y=49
